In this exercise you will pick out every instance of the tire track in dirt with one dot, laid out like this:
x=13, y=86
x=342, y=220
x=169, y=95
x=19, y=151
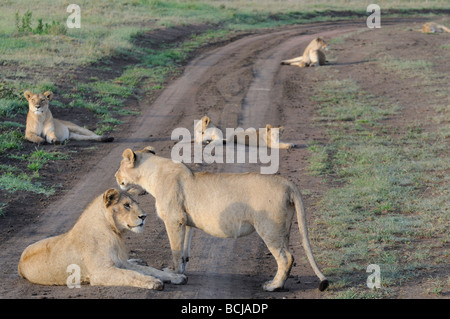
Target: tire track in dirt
x=239, y=78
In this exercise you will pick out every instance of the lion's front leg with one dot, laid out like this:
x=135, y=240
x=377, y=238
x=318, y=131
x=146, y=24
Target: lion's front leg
x=165, y=276
x=176, y=230
x=113, y=276
x=33, y=137
x=51, y=137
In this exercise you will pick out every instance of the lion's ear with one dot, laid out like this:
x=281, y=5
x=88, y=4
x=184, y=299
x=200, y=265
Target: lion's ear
x=48, y=95
x=268, y=127
x=149, y=149
x=281, y=129
x=130, y=157
x=111, y=196
x=28, y=95
x=206, y=120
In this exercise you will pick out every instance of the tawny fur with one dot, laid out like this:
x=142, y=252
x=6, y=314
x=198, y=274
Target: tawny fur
x=433, y=27
x=43, y=127
x=223, y=205
x=208, y=132
x=312, y=56
x=96, y=245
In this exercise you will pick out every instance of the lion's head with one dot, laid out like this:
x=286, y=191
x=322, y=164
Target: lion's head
x=319, y=44
x=123, y=212
x=126, y=174
x=38, y=103
x=274, y=133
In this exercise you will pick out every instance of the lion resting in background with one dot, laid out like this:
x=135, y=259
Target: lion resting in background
x=269, y=136
x=95, y=244
x=312, y=56
x=41, y=126
x=222, y=205
x=433, y=27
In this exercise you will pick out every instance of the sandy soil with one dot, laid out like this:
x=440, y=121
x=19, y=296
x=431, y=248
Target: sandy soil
x=239, y=84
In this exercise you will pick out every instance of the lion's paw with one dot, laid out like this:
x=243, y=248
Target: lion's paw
x=270, y=286
x=179, y=279
x=156, y=285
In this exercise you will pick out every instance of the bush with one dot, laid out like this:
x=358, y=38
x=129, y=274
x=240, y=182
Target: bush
x=24, y=25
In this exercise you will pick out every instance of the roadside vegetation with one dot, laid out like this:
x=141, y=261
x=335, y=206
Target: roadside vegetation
x=389, y=204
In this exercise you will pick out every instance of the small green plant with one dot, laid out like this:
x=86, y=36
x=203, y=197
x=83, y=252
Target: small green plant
x=24, y=25
x=40, y=157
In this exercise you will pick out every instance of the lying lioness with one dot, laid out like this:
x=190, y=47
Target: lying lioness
x=223, y=205
x=269, y=136
x=433, y=27
x=95, y=244
x=312, y=56
x=41, y=126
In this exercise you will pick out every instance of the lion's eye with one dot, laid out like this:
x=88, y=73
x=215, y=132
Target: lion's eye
x=127, y=206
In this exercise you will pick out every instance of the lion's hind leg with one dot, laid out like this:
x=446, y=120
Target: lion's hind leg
x=301, y=64
x=278, y=243
x=292, y=61
x=284, y=260
x=187, y=246
x=79, y=133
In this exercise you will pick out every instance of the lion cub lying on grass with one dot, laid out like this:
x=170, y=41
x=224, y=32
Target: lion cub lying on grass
x=312, y=56
x=95, y=244
x=41, y=126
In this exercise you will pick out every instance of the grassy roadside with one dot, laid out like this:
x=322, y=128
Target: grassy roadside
x=390, y=203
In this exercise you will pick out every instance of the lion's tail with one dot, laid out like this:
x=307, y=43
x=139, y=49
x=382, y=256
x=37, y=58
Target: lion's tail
x=301, y=217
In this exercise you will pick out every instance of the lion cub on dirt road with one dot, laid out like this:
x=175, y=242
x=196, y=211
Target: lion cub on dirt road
x=312, y=56
x=41, y=126
x=222, y=205
x=96, y=246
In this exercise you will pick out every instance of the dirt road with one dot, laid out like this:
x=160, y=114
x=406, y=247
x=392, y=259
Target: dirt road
x=241, y=84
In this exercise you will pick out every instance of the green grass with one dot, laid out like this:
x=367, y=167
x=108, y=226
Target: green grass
x=10, y=140
x=379, y=210
x=406, y=68
x=13, y=179
x=22, y=182
x=40, y=157
x=11, y=107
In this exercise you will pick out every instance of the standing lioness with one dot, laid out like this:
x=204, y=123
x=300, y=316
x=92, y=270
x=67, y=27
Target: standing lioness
x=223, y=205
x=96, y=246
x=42, y=126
